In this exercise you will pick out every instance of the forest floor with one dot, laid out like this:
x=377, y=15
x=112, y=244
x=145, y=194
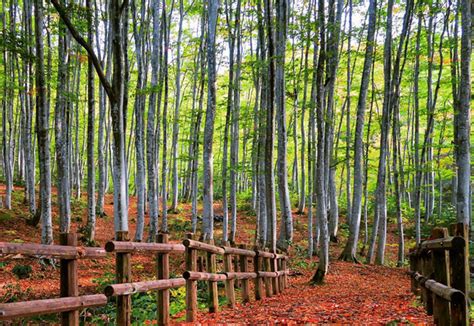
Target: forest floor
x=352, y=293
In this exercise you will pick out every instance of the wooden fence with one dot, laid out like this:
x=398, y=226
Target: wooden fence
x=440, y=274
x=70, y=302
x=269, y=269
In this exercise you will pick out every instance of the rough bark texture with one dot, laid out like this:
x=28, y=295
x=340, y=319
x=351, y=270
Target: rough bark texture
x=463, y=119
x=90, y=135
x=286, y=230
x=350, y=249
x=208, y=192
x=42, y=131
x=151, y=144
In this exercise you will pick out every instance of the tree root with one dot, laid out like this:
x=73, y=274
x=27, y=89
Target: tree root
x=318, y=277
x=347, y=256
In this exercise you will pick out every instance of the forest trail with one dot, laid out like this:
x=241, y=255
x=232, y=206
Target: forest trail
x=353, y=293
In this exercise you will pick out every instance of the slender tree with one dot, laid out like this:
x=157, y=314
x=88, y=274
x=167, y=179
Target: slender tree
x=350, y=250
x=91, y=201
x=463, y=119
x=286, y=230
x=208, y=175
x=42, y=131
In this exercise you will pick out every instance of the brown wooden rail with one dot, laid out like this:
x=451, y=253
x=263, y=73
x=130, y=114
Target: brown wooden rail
x=70, y=302
x=269, y=269
x=440, y=275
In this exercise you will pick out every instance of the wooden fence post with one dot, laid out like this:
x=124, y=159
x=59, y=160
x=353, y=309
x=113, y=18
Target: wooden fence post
x=285, y=276
x=257, y=262
x=274, y=268
x=441, y=275
x=280, y=278
x=268, y=281
x=459, y=315
x=229, y=283
x=191, y=285
x=212, y=285
x=236, y=261
x=244, y=267
x=163, y=271
x=123, y=275
x=459, y=263
x=69, y=283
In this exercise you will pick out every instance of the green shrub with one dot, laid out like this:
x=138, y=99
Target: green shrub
x=22, y=271
x=143, y=305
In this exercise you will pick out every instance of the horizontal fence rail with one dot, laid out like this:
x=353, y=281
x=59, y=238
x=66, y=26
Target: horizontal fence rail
x=52, y=251
x=50, y=306
x=269, y=269
x=439, y=268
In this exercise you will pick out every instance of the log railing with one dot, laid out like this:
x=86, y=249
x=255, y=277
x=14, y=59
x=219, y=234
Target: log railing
x=70, y=302
x=240, y=265
x=125, y=287
x=440, y=274
x=268, y=268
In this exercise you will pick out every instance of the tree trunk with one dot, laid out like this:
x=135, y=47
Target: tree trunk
x=286, y=230
x=463, y=118
x=350, y=250
x=90, y=135
x=174, y=145
x=140, y=120
x=208, y=193
x=151, y=143
x=42, y=131
x=320, y=169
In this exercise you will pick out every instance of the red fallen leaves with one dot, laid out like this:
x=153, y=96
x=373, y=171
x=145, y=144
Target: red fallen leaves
x=353, y=294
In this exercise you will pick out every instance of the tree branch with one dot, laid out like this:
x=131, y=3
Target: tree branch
x=92, y=56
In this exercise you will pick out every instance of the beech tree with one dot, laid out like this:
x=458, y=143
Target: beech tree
x=114, y=92
x=350, y=250
x=208, y=173
x=462, y=120
x=42, y=131
x=341, y=109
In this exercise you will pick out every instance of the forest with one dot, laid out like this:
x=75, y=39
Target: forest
x=325, y=123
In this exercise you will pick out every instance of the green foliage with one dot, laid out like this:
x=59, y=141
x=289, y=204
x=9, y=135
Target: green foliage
x=103, y=281
x=178, y=224
x=300, y=259
x=343, y=229
x=244, y=202
x=14, y=293
x=143, y=304
x=5, y=216
x=22, y=271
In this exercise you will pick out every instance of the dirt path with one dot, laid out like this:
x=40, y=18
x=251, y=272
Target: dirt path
x=355, y=294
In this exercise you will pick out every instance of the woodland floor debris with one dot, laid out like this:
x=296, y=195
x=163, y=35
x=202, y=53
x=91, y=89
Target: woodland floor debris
x=353, y=293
